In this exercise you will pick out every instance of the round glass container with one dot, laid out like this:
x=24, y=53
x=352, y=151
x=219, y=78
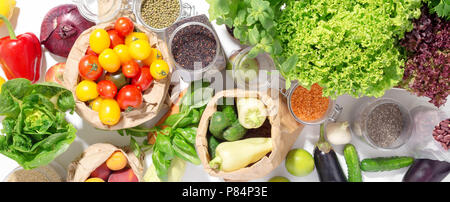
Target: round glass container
x=331, y=115
x=266, y=76
x=359, y=122
x=196, y=73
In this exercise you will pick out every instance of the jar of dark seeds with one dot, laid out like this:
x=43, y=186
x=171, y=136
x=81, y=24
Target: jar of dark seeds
x=195, y=48
x=382, y=123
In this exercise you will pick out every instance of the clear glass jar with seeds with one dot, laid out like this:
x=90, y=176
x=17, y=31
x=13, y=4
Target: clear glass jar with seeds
x=384, y=123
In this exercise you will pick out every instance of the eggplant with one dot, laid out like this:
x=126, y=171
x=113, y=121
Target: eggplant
x=327, y=163
x=426, y=170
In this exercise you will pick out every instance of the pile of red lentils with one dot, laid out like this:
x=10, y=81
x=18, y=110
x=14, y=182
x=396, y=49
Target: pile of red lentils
x=309, y=105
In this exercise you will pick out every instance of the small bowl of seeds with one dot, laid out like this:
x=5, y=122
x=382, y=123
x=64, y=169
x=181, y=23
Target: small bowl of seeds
x=383, y=123
x=157, y=15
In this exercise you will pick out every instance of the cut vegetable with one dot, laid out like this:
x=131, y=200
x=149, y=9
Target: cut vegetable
x=251, y=112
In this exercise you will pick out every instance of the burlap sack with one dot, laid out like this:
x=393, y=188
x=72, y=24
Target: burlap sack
x=284, y=132
x=97, y=154
x=153, y=98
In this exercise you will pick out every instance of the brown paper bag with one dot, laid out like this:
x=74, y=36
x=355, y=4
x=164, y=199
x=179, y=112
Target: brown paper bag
x=153, y=98
x=95, y=155
x=283, y=136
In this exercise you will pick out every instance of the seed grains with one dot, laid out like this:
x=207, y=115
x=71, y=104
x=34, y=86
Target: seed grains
x=160, y=14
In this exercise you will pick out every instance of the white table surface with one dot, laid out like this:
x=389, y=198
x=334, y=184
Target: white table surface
x=28, y=18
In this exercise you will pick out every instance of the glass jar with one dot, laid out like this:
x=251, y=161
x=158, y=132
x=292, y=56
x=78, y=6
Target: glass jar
x=331, y=114
x=197, y=71
x=49, y=173
x=262, y=77
x=112, y=8
x=360, y=118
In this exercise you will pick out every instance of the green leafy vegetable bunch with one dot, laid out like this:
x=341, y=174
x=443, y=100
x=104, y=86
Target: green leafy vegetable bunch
x=440, y=7
x=35, y=129
x=347, y=47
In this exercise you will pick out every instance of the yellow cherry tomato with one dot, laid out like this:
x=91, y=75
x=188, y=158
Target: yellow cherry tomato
x=109, y=113
x=109, y=60
x=95, y=104
x=123, y=53
x=159, y=69
x=86, y=90
x=155, y=54
x=7, y=8
x=99, y=40
x=135, y=36
x=139, y=49
x=2, y=81
x=94, y=179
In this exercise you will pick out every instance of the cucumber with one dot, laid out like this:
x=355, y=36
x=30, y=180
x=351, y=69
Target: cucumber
x=352, y=160
x=230, y=113
x=212, y=144
x=235, y=132
x=218, y=124
x=386, y=163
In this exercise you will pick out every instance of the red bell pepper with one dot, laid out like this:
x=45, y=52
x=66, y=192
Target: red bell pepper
x=20, y=57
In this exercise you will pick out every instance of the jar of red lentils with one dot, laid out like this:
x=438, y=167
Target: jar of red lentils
x=309, y=107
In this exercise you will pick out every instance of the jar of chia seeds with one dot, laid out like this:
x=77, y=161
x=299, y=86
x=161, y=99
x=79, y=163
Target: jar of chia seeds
x=195, y=48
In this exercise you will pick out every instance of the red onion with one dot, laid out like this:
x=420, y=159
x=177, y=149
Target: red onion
x=61, y=27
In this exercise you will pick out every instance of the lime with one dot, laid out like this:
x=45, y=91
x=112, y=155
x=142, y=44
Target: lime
x=279, y=179
x=299, y=162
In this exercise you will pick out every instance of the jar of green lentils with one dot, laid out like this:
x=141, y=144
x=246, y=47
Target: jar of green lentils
x=156, y=15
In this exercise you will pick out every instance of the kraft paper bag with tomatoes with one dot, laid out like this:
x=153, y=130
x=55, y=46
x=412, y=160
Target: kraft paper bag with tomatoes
x=95, y=155
x=284, y=132
x=154, y=98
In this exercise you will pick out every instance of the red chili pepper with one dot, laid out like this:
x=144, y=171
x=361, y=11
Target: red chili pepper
x=20, y=57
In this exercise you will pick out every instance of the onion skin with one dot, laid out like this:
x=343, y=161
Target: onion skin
x=61, y=27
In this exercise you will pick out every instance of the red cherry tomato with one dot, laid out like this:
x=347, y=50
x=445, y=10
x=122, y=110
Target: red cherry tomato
x=144, y=80
x=129, y=97
x=89, y=51
x=124, y=26
x=107, y=89
x=90, y=68
x=131, y=69
x=116, y=38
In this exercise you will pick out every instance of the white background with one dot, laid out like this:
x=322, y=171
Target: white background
x=28, y=17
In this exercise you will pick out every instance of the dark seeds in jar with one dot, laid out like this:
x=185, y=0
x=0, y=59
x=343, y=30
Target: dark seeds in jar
x=194, y=44
x=385, y=124
x=160, y=14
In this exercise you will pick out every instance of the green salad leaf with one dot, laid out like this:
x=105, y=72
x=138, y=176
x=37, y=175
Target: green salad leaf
x=440, y=7
x=347, y=47
x=35, y=128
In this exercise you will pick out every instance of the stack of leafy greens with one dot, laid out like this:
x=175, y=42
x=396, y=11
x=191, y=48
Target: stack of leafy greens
x=35, y=128
x=347, y=47
x=440, y=7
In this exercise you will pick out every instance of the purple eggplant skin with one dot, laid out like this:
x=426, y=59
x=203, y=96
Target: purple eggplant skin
x=326, y=161
x=426, y=170
x=328, y=166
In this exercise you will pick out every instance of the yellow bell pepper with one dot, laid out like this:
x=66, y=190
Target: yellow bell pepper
x=7, y=8
x=231, y=156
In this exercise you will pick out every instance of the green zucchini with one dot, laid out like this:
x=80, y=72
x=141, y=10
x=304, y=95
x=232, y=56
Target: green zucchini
x=230, y=114
x=386, y=163
x=235, y=132
x=218, y=124
x=352, y=160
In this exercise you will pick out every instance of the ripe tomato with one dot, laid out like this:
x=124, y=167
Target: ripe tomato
x=139, y=49
x=129, y=97
x=124, y=26
x=106, y=89
x=115, y=38
x=109, y=60
x=134, y=37
x=118, y=79
x=144, y=80
x=159, y=69
x=90, y=68
x=86, y=90
x=109, y=112
x=155, y=54
x=95, y=104
x=99, y=40
x=89, y=51
x=123, y=53
x=131, y=69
